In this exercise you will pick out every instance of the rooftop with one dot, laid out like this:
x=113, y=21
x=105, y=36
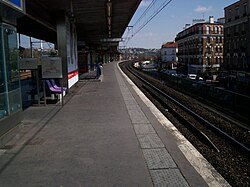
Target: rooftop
x=169, y=45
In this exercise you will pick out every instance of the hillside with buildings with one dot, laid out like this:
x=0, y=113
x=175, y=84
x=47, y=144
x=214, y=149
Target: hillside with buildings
x=140, y=53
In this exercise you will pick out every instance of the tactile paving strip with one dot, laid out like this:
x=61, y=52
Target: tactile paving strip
x=158, y=159
x=144, y=129
x=154, y=150
x=126, y=94
x=137, y=116
x=133, y=107
x=149, y=141
x=168, y=177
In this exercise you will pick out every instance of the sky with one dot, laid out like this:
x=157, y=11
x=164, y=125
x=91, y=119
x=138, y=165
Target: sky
x=170, y=21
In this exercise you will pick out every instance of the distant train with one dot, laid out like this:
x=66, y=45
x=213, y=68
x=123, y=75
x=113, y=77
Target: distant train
x=145, y=65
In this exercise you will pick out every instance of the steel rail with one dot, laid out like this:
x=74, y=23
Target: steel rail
x=190, y=126
x=241, y=146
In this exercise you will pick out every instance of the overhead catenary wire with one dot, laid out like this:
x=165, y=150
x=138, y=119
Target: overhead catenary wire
x=155, y=13
x=145, y=12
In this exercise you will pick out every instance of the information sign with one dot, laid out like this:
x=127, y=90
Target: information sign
x=15, y=3
x=28, y=63
x=51, y=67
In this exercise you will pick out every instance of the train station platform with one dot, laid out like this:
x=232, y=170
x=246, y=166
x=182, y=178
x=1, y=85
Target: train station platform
x=106, y=134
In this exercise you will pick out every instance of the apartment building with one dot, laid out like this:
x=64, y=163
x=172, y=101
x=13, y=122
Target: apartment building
x=200, y=45
x=237, y=37
x=168, y=55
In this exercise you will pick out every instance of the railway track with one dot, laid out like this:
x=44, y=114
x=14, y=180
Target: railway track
x=218, y=144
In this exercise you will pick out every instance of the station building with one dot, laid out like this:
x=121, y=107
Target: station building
x=10, y=90
x=84, y=32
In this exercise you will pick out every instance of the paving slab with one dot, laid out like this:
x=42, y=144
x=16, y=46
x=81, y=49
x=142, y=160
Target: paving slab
x=158, y=159
x=143, y=128
x=150, y=141
x=168, y=177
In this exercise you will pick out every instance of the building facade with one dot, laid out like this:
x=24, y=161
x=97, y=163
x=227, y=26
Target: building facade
x=168, y=54
x=237, y=37
x=200, y=46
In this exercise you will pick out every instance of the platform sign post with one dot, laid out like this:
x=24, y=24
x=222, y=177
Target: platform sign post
x=31, y=64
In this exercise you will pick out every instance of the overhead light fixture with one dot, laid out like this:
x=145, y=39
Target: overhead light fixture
x=109, y=8
x=109, y=20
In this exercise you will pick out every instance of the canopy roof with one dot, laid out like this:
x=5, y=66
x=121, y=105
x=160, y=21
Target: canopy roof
x=97, y=21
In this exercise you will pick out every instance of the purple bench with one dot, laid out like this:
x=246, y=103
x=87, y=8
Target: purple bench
x=55, y=86
x=52, y=89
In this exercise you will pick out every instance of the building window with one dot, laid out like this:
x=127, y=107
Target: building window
x=208, y=39
x=236, y=30
x=217, y=39
x=229, y=45
x=208, y=61
x=215, y=30
x=220, y=29
x=219, y=49
x=229, y=15
x=243, y=29
x=245, y=9
x=200, y=30
x=208, y=50
x=207, y=30
x=200, y=39
x=237, y=12
x=227, y=30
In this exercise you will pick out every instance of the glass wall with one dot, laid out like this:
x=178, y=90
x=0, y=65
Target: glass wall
x=10, y=92
x=3, y=104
